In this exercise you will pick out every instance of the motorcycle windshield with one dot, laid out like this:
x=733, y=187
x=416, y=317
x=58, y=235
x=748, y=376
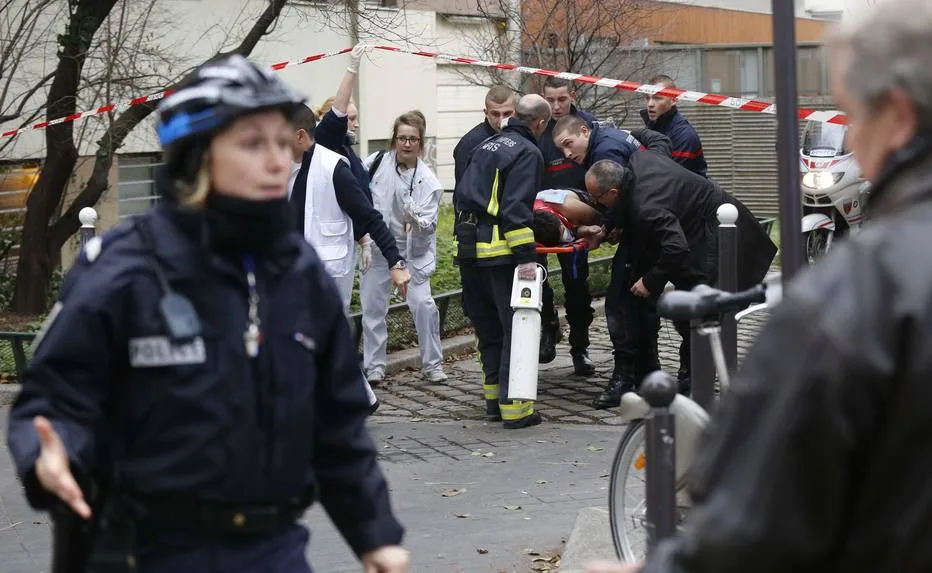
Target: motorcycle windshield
x=824, y=139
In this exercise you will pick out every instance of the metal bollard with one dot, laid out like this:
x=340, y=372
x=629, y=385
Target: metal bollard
x=659, y=390
x=728, y=277
x=701, y=368
x=88, y=218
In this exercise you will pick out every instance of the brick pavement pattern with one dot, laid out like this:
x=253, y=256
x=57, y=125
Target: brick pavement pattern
x=562, y=396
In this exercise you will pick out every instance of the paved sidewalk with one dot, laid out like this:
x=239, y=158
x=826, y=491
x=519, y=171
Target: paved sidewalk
x=474, y=498
x=562, y=397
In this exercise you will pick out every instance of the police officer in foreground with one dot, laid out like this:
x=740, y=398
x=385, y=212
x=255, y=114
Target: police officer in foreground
x=196, y=389
x=494, y=234
x=818, y=458
x=562, y=173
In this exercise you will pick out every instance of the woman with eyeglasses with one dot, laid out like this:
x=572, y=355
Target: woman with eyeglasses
x=407, y=193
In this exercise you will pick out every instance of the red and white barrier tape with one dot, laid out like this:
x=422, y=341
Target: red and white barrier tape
x=835, y=117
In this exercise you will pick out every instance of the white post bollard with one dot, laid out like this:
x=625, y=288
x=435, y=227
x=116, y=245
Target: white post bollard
x=88, y=218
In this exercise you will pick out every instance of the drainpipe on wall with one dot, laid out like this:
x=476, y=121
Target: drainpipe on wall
x=513, y=38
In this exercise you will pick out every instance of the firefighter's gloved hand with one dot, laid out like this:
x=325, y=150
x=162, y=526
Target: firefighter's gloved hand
x=527, y=271
x=365, y=255
x=356, y=57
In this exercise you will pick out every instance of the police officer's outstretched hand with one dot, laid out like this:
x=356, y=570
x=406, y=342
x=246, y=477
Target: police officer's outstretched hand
x=53, y=470
x=388, y=559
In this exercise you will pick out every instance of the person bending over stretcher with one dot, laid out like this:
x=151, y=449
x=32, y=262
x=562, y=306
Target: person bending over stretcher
x=563, y=216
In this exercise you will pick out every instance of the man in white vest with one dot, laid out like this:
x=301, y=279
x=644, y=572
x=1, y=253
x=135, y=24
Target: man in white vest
x=328, y=203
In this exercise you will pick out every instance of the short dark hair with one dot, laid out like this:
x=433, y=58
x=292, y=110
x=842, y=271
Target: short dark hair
x=607, y=174
x=305, y=119
x=499, y=94
x=663, y=80
x=548, y=229
x=554, y=82
x=571, y=122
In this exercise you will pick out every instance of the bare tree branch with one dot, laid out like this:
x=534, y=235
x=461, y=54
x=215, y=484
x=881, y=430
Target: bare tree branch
x=113, y=138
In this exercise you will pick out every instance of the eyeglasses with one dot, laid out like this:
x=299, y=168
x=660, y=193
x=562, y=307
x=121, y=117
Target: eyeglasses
x=407, y=139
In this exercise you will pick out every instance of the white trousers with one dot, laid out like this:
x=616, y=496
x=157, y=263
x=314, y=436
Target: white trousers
x=374, y=294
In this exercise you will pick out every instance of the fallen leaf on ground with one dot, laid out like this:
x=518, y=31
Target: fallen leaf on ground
x=488, y=454
x=462, y=515
x=541, y=482
x=452, y=492
x=593, y=449
x=512, y=507
x=481, y=550
x=531, y=552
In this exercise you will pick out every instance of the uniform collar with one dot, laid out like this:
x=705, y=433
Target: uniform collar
x=663, y=121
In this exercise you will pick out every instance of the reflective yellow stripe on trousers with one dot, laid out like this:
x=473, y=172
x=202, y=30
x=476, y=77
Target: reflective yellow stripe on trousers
x=517, y=410
x=491, y=391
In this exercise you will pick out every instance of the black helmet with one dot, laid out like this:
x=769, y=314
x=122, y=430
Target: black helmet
x=215, y=95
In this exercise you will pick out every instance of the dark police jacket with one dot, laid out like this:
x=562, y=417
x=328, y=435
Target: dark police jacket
x=609, y=142
x=466, y=145
x=668, y=217
x=687, y=148
x=202, y=420
x=499, y=188
x=560, y=172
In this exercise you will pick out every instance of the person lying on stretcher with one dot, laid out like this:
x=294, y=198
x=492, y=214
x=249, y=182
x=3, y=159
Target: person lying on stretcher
x=564, y=216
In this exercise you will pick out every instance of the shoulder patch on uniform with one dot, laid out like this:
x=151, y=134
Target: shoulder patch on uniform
x=46, y=325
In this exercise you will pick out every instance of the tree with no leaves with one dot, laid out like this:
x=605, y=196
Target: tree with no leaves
x=597, y=37
x=104, y=47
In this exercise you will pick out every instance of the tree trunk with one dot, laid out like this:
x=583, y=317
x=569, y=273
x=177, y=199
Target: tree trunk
x=34, y=269
x=42, y=238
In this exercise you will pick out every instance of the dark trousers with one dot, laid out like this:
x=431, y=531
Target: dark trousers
x=578, y=300
x=281, y=552
x=487, y=304
x=633, y=324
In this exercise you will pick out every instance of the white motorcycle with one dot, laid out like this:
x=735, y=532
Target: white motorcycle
x=833, y=189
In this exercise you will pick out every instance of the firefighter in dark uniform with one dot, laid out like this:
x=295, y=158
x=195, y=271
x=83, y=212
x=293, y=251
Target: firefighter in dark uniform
x=661, y=115
x=668, y=219
x=561, y=173
x=195, y=389
x=494, y=234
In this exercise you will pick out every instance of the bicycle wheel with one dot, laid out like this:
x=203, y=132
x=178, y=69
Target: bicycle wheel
x=627, y=495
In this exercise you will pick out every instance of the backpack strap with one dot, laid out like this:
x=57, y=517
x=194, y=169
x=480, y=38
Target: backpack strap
x=375, y=164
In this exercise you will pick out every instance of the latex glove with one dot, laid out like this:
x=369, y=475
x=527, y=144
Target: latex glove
x=365, y=255
x=53, y=471
x=388, y=559
x=527, y=271
x=356, y=57
x=410, y=209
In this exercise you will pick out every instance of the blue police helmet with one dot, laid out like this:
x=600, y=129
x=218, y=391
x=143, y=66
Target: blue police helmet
x=217, y=93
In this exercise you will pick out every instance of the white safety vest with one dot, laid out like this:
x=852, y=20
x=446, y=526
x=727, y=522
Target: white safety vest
x=326, y=226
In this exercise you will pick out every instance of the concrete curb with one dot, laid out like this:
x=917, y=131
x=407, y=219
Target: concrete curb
x=590, y=540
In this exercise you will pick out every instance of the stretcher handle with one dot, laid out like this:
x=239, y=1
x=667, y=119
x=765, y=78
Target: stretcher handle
x=579, y=245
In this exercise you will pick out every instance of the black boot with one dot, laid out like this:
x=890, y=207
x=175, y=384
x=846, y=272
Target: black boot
x=620, y=383
x=548, y=344
x=492, y=411
x=525, y=422
x=582, y=366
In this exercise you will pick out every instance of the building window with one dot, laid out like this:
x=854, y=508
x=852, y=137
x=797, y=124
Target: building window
x=731, y=72
x=136, y=176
